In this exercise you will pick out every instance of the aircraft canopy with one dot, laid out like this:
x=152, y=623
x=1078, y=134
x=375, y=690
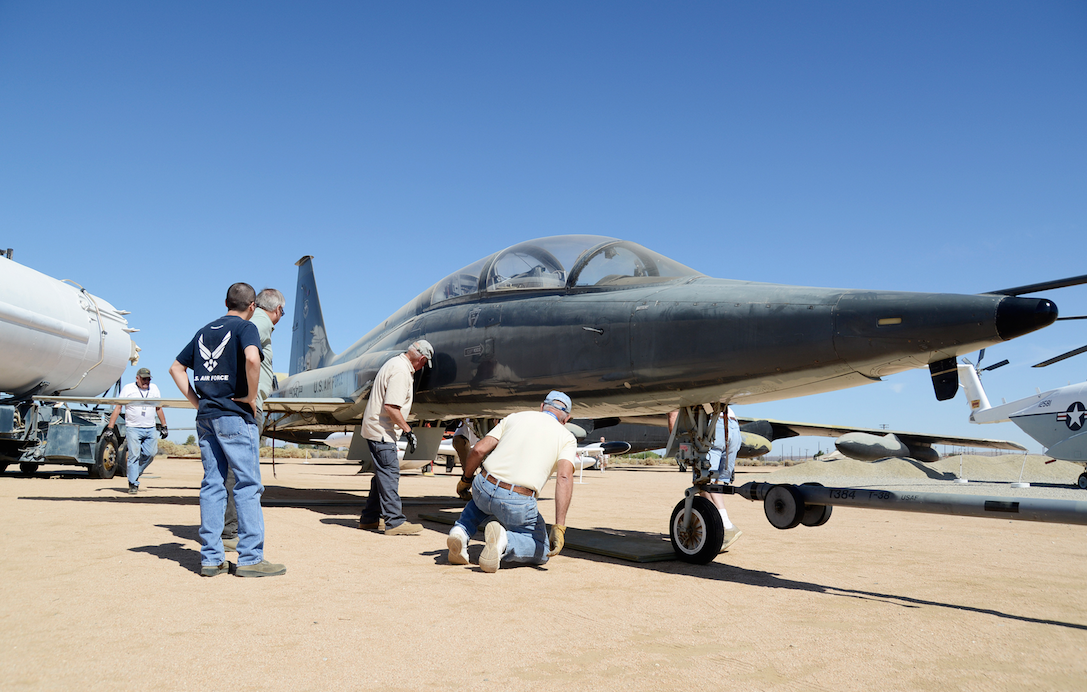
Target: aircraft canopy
x=560, y=262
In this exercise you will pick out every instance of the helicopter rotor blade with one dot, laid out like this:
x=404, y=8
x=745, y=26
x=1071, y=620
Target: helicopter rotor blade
x=1063, y=356
x=994, y=366
x=1043, y=286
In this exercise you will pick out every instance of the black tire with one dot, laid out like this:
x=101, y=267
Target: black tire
x=105, y=459
x=1082, y=481
x=28, y=467
x=3, y=467
x=783, y=506
x=122, y=460
x=816, y=515
x=703, y=540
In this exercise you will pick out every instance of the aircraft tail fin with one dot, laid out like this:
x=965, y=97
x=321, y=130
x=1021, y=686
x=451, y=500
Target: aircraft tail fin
x=975, y=393
x=309, y=341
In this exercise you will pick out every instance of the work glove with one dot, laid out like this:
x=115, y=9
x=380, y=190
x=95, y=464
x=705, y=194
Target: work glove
x=412, y=441
x=163, y=431
x=558, y=539
x=464, y=488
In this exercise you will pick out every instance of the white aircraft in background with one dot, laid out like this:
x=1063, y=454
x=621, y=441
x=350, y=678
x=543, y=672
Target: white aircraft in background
x=1057, y=418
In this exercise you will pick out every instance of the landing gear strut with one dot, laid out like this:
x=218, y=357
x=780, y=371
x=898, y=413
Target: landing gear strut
x=696, y=529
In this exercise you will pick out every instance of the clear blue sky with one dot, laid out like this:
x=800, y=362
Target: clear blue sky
x=157, y=152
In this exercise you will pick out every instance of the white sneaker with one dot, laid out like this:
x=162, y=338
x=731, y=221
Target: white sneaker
x=491, y=557
x=458, y=546
x=730, y=537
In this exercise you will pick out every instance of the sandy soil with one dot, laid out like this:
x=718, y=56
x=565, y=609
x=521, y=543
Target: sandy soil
x=100, y=591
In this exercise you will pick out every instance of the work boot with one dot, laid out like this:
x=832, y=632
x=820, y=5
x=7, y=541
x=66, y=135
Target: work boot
x=458, y=546
x=378, y=525
x=230, y=544
x=261, y=569
x=730, y=537
x=214, y=570
x=405, y=529
x=491, y=557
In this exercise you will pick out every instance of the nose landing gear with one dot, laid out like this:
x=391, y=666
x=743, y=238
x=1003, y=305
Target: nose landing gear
x=695, y=528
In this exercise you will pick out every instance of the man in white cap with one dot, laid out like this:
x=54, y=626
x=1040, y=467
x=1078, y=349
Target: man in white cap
x=140, y=426
x=382, y=423
x=514, y=460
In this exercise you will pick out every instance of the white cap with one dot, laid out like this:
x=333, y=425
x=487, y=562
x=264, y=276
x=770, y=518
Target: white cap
x=423, y=348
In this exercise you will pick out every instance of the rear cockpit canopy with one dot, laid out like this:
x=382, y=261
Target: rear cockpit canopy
x=578, y=263
x=560, y=262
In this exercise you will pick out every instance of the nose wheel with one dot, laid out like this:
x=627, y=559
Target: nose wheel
x=701, y=540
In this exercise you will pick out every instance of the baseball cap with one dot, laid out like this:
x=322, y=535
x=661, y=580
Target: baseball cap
x=143, y=372
x=557, y=399
x=424, y=348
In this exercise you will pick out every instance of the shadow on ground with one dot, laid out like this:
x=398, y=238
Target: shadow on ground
x=716, y=571
x=185, y=557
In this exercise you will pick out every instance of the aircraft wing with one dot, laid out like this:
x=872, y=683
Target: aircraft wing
x=639, y=428
x=784, y=429
x=313, y=404
x=113, y=401
x=275, y=405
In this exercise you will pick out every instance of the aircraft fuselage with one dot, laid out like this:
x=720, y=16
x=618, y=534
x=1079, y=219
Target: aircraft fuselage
x=643, y=349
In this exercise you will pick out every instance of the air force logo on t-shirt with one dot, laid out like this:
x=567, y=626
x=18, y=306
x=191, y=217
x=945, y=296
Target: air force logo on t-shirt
x=211, y=358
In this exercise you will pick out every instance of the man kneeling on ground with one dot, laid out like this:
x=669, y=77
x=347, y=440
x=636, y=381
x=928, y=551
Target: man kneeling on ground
x=515, y=460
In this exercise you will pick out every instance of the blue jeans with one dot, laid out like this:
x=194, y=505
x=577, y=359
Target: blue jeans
x=143, y=445
x=384, y=499
x=724, y=461
x=526, y=532
x=230, y=442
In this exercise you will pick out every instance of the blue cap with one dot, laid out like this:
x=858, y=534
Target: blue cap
x=557, y=399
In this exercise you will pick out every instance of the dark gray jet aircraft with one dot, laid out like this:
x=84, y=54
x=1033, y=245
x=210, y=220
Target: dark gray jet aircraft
x=627, y=332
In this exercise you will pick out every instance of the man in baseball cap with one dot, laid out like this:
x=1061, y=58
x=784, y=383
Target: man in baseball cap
x=383, y=423
x=514, y=460
x=140, y=426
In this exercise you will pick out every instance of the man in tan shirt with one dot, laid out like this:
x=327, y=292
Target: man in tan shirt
x=521, y=453
x=382, y=422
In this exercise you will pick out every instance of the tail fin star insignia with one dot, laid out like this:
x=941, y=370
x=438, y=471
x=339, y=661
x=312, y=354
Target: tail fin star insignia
x=211, y=358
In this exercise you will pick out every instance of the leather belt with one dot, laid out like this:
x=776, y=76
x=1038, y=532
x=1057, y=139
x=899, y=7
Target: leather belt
x=519, y=489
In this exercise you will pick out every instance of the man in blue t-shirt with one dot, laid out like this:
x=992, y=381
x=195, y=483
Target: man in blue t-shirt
x=225, y=359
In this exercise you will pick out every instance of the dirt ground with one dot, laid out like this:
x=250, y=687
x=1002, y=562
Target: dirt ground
x=101, y=591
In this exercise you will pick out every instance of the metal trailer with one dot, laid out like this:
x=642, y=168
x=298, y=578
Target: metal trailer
x=786, y=506
x=34, y=433
x=697, y=531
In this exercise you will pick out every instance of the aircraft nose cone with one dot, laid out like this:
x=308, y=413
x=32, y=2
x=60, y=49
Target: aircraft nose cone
x=1019, y=316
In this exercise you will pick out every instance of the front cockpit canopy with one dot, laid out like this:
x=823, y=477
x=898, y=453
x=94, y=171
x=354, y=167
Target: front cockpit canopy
x=559, y=262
